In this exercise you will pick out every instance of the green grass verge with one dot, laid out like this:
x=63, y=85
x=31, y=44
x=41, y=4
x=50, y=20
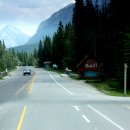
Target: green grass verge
x=110, y=88
x=74, y=76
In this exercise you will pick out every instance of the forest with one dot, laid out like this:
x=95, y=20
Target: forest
x=100, y=29
x=9, y=59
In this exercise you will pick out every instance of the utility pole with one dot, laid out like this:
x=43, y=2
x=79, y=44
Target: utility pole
x=125, y=79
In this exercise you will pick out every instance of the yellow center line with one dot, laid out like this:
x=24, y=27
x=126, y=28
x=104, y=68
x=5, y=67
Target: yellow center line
x=31, y=85
x=22, y=118
x=21, y=89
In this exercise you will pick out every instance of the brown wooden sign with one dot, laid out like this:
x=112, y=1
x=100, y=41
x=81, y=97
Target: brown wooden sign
x=91, y=65
x=89, y=68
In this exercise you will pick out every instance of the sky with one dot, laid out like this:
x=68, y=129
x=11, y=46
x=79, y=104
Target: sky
x=26, y=15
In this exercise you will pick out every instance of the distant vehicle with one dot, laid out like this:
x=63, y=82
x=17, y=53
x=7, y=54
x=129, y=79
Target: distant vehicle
x=55, y=66
x=26, y=71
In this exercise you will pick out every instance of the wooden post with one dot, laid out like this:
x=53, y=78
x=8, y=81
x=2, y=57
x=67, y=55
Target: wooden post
x=125, y=79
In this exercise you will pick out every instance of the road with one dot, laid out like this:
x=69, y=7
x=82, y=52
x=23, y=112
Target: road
x=47, y=101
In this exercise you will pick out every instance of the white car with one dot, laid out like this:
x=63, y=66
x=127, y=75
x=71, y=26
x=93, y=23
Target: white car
x=26, y=71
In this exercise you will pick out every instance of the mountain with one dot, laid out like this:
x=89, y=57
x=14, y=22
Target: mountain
x=49, y=26
x=13, y=36
x=26, y=47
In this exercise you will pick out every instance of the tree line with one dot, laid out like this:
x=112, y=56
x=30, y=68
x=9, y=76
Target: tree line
x=9, y=59
x=59, y=49
x=103, y=32
x=100, y=29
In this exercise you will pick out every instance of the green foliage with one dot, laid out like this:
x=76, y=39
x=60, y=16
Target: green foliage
x=47, y=49
x=25, y=59
x=100, y=32
x=79, y=29
x=69, y=47
x=8, y=58
x=63, y=46
x=59, y=48
x=40, y=54
x=109, y=89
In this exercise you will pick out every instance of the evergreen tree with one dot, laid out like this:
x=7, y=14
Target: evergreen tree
x=35, y=56
x=58, y=46
x=8, y=59
x=120, y=25
x=40, y=54
x=47, y=49
x=54, y=48
x=79, y=29
x=91, y=20
x=69, y=47
x=4, y=45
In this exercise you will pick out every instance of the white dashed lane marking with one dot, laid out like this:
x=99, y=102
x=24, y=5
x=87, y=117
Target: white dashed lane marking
x=77, y=108
x=85, y=118
x=105, y=117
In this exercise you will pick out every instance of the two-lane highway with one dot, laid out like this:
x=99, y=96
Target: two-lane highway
x=11, y=86
x=47, y=101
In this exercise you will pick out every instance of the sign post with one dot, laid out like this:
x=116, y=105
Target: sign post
x=125, y=79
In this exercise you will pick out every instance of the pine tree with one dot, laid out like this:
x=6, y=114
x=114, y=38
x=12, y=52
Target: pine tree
x=120, y=25
x=40, y=54
x=91, y=20
x=58, y=46
x=69, y=47
x=47, y=49
x=54, y=48
x=79, y=29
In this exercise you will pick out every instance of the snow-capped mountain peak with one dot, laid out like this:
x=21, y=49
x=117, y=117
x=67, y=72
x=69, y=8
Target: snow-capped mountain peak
x=13, y=36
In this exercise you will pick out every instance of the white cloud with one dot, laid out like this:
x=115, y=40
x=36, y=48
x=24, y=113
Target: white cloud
x=28, y=12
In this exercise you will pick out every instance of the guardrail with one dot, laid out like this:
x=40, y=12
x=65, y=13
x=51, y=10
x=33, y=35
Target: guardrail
x=2, y=74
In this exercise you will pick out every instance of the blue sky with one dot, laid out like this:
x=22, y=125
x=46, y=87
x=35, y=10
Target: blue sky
x=27, y=14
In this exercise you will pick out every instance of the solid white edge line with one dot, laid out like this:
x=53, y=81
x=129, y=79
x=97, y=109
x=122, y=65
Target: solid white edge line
x=105, y=117
x=60, y=84
x=85, y=118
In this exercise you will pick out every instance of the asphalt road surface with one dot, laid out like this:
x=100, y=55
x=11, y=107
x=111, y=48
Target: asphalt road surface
x=47, y=101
